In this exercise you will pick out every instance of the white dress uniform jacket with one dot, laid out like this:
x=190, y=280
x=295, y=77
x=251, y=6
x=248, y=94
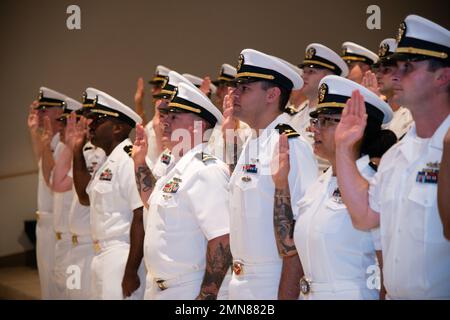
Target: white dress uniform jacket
x=82, y=250
x=188, y=207
x=257, y=264
x=335, y=256
x=416, y=256
x=113, y=196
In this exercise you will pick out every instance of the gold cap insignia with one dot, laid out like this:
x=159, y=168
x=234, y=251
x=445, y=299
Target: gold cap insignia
x=309, y=54
x=401, y=32
x=174, y=93
x=323, y=90
x=240, y=62
x=384, y=48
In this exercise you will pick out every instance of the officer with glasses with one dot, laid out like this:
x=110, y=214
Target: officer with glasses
x=333, y=257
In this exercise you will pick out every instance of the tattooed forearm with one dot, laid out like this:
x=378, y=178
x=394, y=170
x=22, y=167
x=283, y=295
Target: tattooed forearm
x=145, y=182
x=218, y=261
x=284, y=222
x=144, y=179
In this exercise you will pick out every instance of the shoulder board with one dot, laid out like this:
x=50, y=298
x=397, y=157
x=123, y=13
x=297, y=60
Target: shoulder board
x=287, y=129
x=373, y=166
x=291, y=110
x=128, y=149
x=205, y=157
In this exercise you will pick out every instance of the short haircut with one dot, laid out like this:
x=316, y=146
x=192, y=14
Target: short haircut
x=284, y=95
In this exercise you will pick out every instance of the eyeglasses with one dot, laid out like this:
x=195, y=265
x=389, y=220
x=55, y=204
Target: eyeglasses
x=322, y=122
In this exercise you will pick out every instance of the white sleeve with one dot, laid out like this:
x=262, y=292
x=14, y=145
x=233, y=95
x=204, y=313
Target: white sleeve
x=209, y=197
x=374, y=192
x=128, y=185
x=303, y=171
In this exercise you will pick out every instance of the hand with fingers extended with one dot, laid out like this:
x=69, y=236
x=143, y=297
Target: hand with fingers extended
x=140, y=146
x=353, y=122
x=33, y=118
x=76, y=132
x=280, y=164
x=229, y=120
x=206, y=85
x=370, y=82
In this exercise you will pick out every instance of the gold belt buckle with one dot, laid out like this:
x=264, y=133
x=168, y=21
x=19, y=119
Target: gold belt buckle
x=58, y=235
x=161, y=284
x=74, y=239
x=305, y=285
x=238, y=268
x=97, y=247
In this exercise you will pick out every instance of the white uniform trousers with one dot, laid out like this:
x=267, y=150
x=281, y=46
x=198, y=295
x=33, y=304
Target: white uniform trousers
x=255, y=282
x=341, y=290
x=81, y=255
x=45, y=252
x=62, y=254
x=108, y=268
x=185, y=287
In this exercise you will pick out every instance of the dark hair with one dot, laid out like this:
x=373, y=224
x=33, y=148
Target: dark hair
x=377, y=141
x=284, y=95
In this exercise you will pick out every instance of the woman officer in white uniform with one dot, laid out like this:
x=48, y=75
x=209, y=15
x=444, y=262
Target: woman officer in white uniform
x=334, y=256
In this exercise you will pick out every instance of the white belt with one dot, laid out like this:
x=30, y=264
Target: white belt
x=307, y=286
x=164, y=284
x=241, y=268
x=103, y=244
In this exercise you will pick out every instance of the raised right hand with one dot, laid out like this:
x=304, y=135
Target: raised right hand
x=353, y=122
x=280, y=164
x=76, y=132
x=33, y=118
x=230, y=122
x=140, y=146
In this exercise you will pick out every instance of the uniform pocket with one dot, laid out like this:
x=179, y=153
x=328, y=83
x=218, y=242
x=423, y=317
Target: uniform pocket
x=425, y=222
x=168, y=209
x=332, y=217
x=104, y=198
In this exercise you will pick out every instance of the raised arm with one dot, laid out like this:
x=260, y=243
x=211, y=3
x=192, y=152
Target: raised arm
x=139, y=100
x=283, y=221
x=230, y=131
x=444, y=186
x=218, y=260
x=76, y=139
x=33, y=127
x=61, y=181
x=145, y=180
x=354, y=188
x=48, y=161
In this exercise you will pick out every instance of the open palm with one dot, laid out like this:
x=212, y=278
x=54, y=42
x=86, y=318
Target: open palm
x=353, y=121
x=140, y=146
x=76, y=132
x=280, y=165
